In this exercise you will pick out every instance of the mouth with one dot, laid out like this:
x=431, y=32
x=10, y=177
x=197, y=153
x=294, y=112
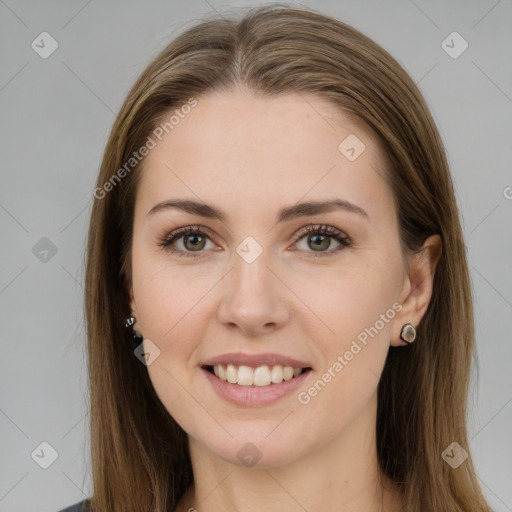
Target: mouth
x=259, y=376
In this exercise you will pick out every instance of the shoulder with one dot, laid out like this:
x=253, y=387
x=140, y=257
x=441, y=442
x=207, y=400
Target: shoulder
x=82, y=506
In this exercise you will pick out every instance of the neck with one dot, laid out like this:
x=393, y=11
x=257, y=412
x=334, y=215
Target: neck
x=342, y=475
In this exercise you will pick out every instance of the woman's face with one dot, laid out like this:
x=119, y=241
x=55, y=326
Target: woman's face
x=256, y=284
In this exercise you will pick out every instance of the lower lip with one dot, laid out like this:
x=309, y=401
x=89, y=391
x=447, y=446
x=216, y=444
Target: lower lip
x=254, y=396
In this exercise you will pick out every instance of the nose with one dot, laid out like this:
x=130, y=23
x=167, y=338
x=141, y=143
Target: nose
x=254, y=298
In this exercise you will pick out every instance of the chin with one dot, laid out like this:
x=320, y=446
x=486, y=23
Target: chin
x=257, y=451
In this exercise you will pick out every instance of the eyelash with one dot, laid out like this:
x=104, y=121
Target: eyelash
x=332, y=232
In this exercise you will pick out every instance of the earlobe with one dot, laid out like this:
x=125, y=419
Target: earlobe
x=419, y=283
x=408, y=333
x=131, y=320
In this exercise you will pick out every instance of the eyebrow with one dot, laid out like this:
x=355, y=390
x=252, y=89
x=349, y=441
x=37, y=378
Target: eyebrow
x=285, y=214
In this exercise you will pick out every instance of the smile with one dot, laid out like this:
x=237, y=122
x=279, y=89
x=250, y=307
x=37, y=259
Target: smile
x=261, y=376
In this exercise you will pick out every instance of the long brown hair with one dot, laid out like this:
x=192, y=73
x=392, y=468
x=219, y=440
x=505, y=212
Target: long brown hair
x=140, y=457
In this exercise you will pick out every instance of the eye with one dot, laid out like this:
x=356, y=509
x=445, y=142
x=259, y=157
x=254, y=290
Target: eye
x=319, y=238
x=194, y=240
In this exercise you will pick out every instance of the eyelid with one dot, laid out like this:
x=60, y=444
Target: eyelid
x=178, y=233
x=328, y=229
x=324, y=229
x=339, y=236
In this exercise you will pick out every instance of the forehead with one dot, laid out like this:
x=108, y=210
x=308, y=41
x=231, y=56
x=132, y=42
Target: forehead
x=247, y=151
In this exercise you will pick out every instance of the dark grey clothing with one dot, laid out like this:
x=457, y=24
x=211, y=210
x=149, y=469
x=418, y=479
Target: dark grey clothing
x=82, y=506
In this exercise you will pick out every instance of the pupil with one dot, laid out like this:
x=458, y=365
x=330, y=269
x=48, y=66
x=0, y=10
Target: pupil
x=318, y=244
x=195, y=243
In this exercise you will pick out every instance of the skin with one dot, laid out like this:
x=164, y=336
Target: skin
x=250, y=157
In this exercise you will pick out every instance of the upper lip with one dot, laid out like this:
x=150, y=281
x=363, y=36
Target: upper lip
x=255, y=360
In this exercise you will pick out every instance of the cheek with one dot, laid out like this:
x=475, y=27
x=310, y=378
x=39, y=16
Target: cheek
x=359, y=313
x=353, y=363
x=171, y=314
x=345, y=303
x=174, y=322
x=168, y=296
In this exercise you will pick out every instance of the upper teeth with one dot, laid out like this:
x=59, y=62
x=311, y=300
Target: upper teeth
x=260, y=376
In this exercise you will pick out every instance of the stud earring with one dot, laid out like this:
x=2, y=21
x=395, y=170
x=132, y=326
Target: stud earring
x=130, y=321
x=408, y=333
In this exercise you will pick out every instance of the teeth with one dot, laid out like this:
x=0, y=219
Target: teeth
x=277, y=374
x=288, y=373
x=231, y=374
x=260, y=376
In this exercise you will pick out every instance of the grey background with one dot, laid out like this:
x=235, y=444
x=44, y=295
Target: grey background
x=56, y=114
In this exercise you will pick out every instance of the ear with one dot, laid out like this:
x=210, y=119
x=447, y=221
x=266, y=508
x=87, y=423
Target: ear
x=133, y=307
x=417, y=288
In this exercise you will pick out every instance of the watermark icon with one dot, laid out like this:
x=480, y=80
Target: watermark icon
x=454, y=45
x=147, y=352
x=351, y=147
x=44, y=455
x=44, y=249
x=44, y=45
x=151, y=142
x=249, y=454
x=249, y=249
x=342, y=360
x=454, y=455
x=507, y=192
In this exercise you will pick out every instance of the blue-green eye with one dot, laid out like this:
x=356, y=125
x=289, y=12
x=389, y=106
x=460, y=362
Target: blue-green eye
x=318, y=238
x=196, y=238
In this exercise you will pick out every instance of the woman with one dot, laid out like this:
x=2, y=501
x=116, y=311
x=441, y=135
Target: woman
x=275, y=223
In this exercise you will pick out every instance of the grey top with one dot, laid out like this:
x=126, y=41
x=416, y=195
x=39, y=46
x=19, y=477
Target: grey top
x=82, y=506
